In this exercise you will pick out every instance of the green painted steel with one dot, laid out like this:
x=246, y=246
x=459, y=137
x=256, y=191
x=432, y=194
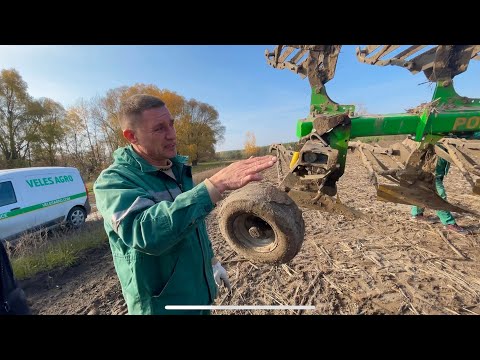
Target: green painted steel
x=391, y=124
x=304, y=128
x=339, y=140
x=448, y=113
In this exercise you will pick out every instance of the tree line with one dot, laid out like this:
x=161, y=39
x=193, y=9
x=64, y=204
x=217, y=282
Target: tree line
x=250, y=149
x=41, y=132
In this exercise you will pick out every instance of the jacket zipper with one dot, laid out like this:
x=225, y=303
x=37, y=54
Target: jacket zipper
x=180, y=186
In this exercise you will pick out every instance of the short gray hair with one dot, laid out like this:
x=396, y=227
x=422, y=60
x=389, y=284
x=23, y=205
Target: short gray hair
x=132, y=108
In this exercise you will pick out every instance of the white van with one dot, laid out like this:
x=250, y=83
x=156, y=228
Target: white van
x=41, y=198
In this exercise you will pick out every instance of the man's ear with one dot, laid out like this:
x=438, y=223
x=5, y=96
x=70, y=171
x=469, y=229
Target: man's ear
x=129, y=134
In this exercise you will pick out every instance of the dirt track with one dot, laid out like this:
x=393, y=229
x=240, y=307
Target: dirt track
x=386, y=264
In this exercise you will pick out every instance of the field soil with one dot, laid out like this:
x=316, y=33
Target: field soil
x=383, y=263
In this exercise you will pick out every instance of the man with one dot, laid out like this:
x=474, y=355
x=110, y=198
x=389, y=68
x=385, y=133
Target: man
x=12, y=297
x=155, y=217
x=446, y=217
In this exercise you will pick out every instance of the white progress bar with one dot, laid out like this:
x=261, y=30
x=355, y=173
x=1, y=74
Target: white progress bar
x=234, y=307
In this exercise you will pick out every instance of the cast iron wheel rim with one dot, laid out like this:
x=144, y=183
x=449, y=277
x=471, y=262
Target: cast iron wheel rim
x=254, y=232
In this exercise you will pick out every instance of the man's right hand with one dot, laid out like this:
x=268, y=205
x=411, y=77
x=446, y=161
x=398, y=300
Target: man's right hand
x=240, y=173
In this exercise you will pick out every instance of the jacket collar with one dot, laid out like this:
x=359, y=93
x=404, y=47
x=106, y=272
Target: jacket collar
x=127, y=154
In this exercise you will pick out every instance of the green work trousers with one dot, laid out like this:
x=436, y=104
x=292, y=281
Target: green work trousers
x=441, y=170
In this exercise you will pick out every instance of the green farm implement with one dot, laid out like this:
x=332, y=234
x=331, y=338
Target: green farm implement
x=265, y=223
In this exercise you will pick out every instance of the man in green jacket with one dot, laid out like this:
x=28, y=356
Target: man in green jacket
x=154, y=216
x=446, y=217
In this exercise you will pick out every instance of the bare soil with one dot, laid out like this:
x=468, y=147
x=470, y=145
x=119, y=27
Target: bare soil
x=382, y=264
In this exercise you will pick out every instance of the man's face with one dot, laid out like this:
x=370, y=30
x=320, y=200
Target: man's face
x=154, y=135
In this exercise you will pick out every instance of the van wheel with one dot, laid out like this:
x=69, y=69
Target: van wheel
x=76, y=217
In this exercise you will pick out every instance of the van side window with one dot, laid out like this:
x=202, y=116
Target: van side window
x=7, y=195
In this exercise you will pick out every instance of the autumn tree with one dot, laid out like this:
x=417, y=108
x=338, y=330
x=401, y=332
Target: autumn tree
x=84, y=139
x=15, y=120
x=73, y=141
x=105, y=112
x=195, y=140
x=198, y=131
x=49, y=131
x=86, y=134
x=251, y=148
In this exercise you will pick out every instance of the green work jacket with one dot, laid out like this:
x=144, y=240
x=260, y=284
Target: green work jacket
x=157, y=233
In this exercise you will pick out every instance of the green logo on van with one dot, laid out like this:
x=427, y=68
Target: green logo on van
x=49, y=180
x=12, y=213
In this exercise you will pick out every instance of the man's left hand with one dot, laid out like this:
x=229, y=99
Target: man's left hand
x=220, y=275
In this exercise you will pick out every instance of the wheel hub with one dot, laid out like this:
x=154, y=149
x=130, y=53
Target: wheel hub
x=255, y=232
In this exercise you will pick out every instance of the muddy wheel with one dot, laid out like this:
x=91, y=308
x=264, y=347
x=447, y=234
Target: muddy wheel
x=262, y=223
